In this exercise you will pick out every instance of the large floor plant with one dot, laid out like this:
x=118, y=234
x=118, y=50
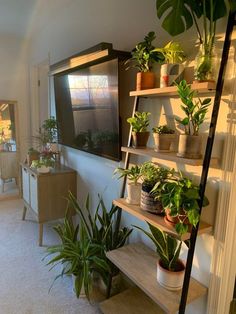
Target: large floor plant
x=78, y=255
x=102, y=229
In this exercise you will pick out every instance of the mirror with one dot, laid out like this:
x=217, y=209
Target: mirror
x=9, y=163
x=7, y=128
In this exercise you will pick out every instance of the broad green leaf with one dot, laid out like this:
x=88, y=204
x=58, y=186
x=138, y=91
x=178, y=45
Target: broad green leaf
x=181, y=228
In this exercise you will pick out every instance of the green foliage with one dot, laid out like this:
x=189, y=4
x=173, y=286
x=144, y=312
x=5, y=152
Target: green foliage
x=152, y=175
x=47, y=162
x=195, y=111
x=49, y=130
x=163, y=129
x=180, y=15
x=32, y=150
x=181, y=196
x=79, y=257
x=167, y=247
x=172, y=52
x=133, y=174
x=143, y=56
x=102, y=229
x=139, y=121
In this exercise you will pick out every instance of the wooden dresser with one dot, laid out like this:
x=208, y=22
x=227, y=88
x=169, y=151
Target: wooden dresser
x=45, y=194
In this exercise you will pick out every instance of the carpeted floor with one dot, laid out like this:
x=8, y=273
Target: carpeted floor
x=24, y=278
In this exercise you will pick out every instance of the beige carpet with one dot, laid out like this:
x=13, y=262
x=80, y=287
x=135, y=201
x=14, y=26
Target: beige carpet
x=24, y=278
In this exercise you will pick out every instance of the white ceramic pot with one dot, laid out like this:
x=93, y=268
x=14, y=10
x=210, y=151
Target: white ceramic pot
x=170, y=280
x=171, y=73
x=133, y=193
x=43, y=169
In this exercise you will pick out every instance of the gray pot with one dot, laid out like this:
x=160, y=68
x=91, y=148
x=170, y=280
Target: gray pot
x=148, y=203
x=162, y=142
x=190, y=146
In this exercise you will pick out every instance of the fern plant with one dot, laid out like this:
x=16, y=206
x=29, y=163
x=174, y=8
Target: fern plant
x=167, y=247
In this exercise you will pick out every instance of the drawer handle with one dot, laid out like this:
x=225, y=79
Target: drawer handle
x=25, y=170
x=32, y=175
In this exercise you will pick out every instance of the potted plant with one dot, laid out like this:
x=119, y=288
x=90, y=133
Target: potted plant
x=32, y=154
x=103, y=228
x=190, y=142
x=143, y=57
x=133, y=186
x=79, y=256
x=50, y=131
x=170, y=269
x=163, y=137
x=151, y=174
x=43, y=165
x=185, y=13
x=172, y=71
x=139, y=123
x=179, y=197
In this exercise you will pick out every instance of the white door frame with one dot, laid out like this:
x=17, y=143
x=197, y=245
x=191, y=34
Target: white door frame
x=223, y=268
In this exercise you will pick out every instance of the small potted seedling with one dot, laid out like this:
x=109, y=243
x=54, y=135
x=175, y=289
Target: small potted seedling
x=170, y=269
x=151, y=175
x=143, y=58
x=190, y=142
x=43, y=165
x=172, y=69
x=139, y=123
x=163, y=137
x=133, y=186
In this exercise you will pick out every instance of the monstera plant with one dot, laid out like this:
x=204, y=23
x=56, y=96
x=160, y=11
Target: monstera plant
x=180, y=15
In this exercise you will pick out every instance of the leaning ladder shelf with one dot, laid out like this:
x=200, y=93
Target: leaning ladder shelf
x=157, y=220
x=115, y=256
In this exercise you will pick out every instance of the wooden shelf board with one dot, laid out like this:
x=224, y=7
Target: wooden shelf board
x=157, y=220
x=130, y=301
x=138, y=262
x=203, y=87
x=167, y=156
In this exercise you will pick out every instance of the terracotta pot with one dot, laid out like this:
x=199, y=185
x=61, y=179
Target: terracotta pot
x=171, y=73
x=190, y=146
x=171, y=280
x=133, y=193
x=31, y=157
x=163, y=142
x=148, y=203
x=173, y=220
x=145, y=80
x=140, y=139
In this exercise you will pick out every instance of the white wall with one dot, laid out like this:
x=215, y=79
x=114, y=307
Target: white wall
x=70, y=26
x=14, y=82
